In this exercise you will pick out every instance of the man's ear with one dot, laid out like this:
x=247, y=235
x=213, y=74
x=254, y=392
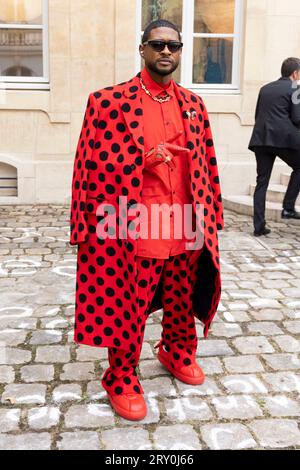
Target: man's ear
x=141, y=49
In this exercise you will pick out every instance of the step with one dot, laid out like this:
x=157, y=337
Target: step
x=275, y=193
x=8, y=187
x=244, y=205
x=8, y=192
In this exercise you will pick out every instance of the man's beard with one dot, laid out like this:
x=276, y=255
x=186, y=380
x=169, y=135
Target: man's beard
x=163, y=73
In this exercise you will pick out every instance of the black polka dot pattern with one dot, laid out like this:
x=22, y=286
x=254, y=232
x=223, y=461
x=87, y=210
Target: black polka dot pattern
x=179, y=336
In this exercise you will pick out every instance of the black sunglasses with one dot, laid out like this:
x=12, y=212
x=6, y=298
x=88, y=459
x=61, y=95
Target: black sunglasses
x=159, y=46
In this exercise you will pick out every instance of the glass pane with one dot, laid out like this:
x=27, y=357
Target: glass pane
x=21, y=11
x=214, y=16
x=212, y=60
x=167, y=9
x=21, y=52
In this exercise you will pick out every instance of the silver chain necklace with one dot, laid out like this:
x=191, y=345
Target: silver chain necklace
x=155, y=98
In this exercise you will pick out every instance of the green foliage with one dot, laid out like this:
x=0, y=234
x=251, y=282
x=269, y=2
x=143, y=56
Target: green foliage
x=157, y=9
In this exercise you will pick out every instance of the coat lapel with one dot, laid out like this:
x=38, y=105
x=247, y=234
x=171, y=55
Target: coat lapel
x=132, y=110
x=187, y=111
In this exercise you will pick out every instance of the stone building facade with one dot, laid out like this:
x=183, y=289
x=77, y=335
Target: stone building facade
x=54, y=53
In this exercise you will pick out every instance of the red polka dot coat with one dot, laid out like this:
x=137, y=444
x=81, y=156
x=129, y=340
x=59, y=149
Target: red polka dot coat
x=109, y=163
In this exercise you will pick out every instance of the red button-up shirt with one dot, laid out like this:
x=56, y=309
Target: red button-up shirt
x=162, y=183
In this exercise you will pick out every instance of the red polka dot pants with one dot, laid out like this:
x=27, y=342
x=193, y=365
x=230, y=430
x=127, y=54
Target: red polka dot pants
x=178, y=337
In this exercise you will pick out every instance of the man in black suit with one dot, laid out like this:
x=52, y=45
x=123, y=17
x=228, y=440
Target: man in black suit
x=277, y=133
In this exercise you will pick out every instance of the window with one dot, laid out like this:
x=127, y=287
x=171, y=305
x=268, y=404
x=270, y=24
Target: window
x=8, y=180
x=211, y=32
x=24, y=43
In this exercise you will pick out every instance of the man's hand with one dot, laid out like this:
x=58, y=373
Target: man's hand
x=165, y=152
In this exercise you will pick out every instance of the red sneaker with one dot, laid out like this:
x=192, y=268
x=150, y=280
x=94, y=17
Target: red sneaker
x=130, y=406
x=192, y=374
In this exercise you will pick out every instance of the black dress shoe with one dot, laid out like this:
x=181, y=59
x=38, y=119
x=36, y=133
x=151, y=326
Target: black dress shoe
x=286, y=214
x=264, y=231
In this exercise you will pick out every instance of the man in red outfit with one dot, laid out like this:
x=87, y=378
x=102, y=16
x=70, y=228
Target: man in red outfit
x=149, y=141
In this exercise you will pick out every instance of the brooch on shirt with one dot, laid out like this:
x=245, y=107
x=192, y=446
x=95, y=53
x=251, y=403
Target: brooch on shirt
x=191, y=115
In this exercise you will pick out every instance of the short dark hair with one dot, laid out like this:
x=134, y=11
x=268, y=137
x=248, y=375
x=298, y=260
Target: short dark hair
x=289, y=66
x=159, y=24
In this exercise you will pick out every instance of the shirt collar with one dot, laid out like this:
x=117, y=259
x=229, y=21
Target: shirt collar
x=154, y=87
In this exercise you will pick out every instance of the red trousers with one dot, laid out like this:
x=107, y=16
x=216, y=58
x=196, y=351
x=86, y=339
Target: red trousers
x=178, y=337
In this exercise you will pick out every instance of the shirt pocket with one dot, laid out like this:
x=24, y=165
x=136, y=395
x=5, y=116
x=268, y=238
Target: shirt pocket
x=150, y=191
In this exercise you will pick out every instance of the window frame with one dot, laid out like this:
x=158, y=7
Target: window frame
x=31, y=83
x=188, y=40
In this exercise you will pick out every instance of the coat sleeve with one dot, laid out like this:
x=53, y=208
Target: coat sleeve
x=213, y=169
x=85, y=146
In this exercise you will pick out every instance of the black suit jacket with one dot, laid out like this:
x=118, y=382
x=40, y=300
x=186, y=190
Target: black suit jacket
x=277, y=116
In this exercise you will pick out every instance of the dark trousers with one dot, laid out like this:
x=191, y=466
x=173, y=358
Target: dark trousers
x=265, y=158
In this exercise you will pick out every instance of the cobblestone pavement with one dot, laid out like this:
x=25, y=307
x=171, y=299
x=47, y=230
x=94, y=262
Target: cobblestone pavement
x=51, y=397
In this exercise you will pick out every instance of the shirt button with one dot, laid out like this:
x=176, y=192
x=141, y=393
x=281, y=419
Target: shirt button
x=133, y=166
